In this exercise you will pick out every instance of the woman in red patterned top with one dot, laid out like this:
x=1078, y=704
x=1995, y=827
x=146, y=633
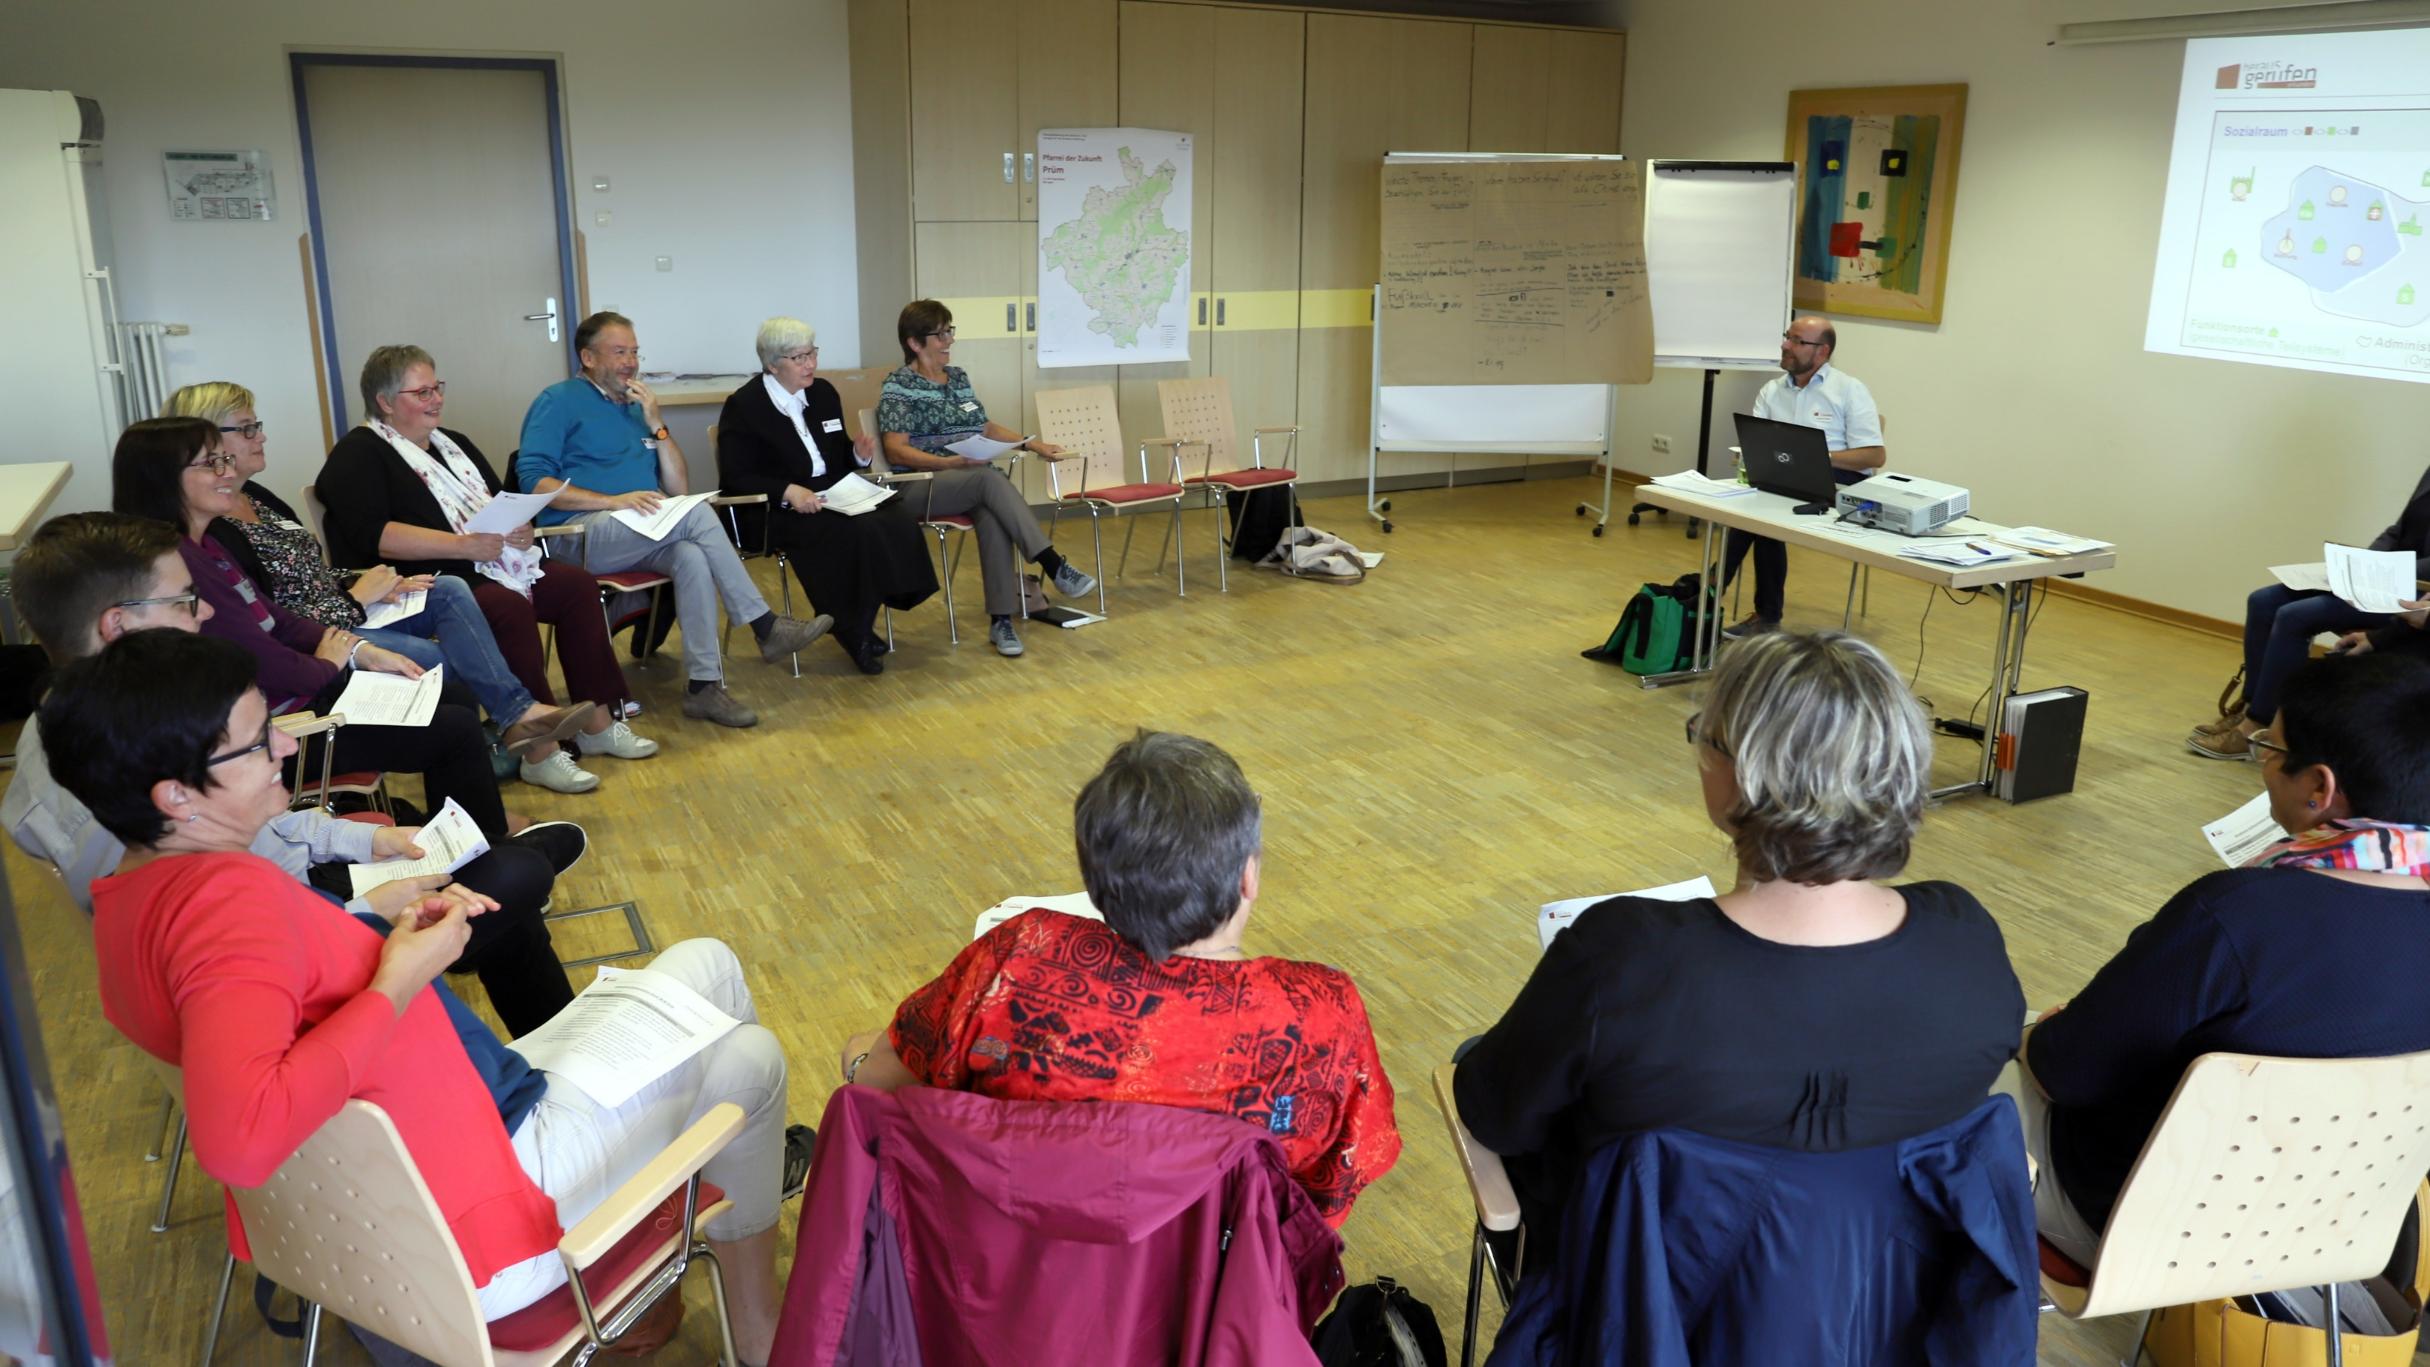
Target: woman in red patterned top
x=1160, y=1003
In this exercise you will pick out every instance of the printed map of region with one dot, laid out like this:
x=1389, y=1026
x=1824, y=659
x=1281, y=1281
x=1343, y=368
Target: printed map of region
x=1113, y=246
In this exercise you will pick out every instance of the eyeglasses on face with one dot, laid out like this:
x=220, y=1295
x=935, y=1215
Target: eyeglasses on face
x=183, y=600
x=218, y=461
x=802, y=357
x=259, y=745
x=2262, y=742
x=941, y=335
x=437, y=389
x=1794, y=340
x=248, y=430
x=1697, y=737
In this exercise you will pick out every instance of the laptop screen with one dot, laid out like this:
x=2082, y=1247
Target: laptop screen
x=1786, y=458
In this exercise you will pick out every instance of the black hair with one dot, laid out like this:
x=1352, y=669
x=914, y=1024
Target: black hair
x=153, y=705
x=148, y=470
x=78, y=566
x=2366, y=718
x=1163, y=831
x=587, y=331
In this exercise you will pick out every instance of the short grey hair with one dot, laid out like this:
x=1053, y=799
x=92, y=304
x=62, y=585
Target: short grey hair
x=384, y=374
x=1831, y=751
x=1163, y=832
x=780, y=336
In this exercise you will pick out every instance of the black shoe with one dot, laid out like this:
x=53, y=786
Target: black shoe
x=562, y=843
x=867, y=656
x=800, y=1141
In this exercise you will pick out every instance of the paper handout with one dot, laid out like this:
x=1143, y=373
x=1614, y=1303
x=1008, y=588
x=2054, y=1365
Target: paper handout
x=2244, y=832
x=449, y=842
x=396, y=610
x=1554, y=917
x=1069, y=903
x=505, y=512
x=853, y=496
x=656, y=525
x=978, y=447
x=1703, y=485
x=2375, y=581
x=626, y=1031
x=373, y=699
x=2312, y=578
x=2054, y=543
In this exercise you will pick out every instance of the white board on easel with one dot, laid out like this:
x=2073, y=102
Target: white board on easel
x=1718, y=240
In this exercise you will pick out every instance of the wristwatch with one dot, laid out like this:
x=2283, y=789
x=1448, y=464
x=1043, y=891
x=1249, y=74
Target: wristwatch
x=661, y=433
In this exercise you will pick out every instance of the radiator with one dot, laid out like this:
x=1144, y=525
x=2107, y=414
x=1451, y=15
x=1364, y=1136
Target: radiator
x=147, y=366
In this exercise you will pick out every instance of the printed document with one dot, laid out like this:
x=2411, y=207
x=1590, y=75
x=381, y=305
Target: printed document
x=505, y=512
x=853, y=495
x=2375, y=581
x=656, y=525
x=1069, y=903
x=2312, y=578
x=2044, y=539
x=396, y=610
x=626, y=1031
x=1702, y=485
x=449, y=842
x=1554, y=917
x=373, y=699
x=2244, y=832
x=978, y=447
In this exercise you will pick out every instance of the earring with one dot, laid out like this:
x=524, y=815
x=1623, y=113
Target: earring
x=2312, y=806
x=193, y=816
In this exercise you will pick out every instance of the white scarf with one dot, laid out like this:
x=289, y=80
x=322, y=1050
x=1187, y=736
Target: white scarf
x=461, y=492
x=794, y=406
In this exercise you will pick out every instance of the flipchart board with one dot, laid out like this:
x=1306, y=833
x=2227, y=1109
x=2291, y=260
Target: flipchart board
x=1718, y=240
x=1513, y=296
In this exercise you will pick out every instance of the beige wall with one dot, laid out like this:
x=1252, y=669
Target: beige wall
x=2035, y=390
x=723, y=127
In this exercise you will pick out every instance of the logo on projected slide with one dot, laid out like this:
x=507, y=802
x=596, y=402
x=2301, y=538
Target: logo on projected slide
x=2267, y=76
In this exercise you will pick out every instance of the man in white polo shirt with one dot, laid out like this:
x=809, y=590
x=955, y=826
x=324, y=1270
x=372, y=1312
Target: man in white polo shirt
x=1810, y=390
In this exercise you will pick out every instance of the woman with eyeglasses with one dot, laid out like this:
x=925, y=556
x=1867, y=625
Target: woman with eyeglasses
x=403, y=489
x=782, y=434
x=263, y=536
x=1810, y=1007
x=173, y=470
x=927, y=404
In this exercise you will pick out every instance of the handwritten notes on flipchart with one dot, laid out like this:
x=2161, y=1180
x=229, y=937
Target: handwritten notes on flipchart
x=1515, y=272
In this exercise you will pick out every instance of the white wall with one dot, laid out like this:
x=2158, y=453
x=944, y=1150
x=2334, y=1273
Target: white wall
x=2035, y=390
x=724, y=127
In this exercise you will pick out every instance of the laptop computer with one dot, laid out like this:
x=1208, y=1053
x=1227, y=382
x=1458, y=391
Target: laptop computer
x=1787, y=458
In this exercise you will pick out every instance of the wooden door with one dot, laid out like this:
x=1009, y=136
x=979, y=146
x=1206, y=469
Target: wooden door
x=1168, y=81
x=1067, y=74
x=974, y=269
x=1032, y=474
x=1545, y=90
x=1260, y=65
x=964, y=111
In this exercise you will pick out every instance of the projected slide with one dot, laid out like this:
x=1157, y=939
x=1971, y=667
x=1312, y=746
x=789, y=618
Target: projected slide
x=2298, y=202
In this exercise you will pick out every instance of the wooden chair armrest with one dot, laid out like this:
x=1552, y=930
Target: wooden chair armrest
x=902, y=477
x=736, y=500
x=301, y=724
x=588, y=1241
x=1488, y=1182
x=1165, y=441
x=1271, y=431
x=561, y=529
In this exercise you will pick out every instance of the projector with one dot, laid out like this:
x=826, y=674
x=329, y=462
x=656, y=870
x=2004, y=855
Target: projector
x=1902, y=503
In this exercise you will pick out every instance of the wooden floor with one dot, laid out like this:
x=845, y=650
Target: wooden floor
x=1435, y=761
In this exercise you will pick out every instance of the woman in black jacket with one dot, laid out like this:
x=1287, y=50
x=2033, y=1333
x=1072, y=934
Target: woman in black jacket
x=782, y=434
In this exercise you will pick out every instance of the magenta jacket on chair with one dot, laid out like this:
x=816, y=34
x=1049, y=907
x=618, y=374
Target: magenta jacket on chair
x=944, y=1228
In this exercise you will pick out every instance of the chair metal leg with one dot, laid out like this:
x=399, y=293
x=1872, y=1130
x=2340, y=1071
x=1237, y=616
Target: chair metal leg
x=2337, y=1347
x=1181, y=571
x=953, y=629
x=785, y=589
x=1130, y=528
x=1847, y=612
x=312, y=1331
x=2143, y=1329
x=219, y=1310
x=717, y=1297
x=175, y=1157
x=1097, y=535
x=1476, y=1297
x=160, y=1140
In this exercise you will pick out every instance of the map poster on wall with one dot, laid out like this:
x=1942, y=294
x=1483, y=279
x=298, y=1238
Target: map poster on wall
x=1113, y=246
x=1518, y=270
x=213, y=186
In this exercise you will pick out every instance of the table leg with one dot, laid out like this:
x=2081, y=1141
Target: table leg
x=1707, y=644
x=2007, y=673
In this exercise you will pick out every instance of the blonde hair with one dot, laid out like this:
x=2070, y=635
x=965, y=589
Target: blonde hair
x=780, y=336
x=212, y=401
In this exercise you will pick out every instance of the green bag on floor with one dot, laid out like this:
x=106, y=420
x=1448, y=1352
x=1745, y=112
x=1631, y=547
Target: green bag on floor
x=1657, y=630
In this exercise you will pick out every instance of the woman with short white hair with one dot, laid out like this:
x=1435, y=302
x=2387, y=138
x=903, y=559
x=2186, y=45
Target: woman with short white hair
x=782, y=434
x=1809, y=1007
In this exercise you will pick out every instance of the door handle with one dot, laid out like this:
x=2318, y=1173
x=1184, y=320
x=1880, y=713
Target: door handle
x=549, y=318
x=1029, y=167
x=1219, y=313
x=1031, y=314
x=1012, y=315
x=1008, y=168
x=1202, y=310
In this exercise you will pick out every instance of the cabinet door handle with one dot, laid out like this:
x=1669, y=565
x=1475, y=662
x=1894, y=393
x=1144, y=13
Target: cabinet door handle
x=1012, y=319
x=1008, y=168
x=1030, y=313
x=1219, y=313
x=1029, y=167
x=1202, y=310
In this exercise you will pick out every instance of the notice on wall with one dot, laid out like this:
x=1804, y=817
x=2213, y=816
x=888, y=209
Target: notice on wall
x=1113, y=246
x=208, y=186
x=1517, y=271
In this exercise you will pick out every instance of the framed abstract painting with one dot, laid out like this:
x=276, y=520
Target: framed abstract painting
x=1877, y=175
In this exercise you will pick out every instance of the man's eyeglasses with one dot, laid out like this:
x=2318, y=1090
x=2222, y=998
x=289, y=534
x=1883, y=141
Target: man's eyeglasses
x=801, y=357
x=1794, y=340
x=426, y=393
x=259, y=745
x=220, y=461
x=247, y=430
x=183, y=600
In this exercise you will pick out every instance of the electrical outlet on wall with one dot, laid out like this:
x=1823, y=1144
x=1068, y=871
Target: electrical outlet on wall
x=1662, y=444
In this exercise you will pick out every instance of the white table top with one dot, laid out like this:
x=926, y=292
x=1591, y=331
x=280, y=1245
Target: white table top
x=26, y=492
x=1771, y=515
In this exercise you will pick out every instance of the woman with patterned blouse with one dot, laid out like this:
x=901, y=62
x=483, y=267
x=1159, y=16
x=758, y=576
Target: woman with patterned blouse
x=1160, y=1003
x=926, y=406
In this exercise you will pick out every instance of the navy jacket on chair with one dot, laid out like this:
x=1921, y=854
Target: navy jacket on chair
x=1685, y=1250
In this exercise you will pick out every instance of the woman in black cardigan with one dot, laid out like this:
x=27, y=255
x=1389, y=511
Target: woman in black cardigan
x=782, y=434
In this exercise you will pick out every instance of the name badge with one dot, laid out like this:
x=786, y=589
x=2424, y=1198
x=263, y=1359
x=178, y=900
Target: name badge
x=970, y=408
x=832, y=425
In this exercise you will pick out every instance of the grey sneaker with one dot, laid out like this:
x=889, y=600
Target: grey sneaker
x=1002, y=636
x=619, y=741
x=1752, y=626
x=790, y=636
x=715, y=704
x=1071, y=583
x=559, y=773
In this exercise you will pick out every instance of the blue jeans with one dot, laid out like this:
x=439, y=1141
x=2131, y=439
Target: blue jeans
x=450, y=630
x=2279, y=624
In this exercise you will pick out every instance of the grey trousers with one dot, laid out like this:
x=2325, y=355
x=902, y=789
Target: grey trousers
x=701, y=561
x=1004, y=524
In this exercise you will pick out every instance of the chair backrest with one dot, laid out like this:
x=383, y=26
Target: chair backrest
x=318, y=514
x=347, y=1222
x=1200, y=410
x=1085, y=424
x=2265, y=1174
x=858, y=392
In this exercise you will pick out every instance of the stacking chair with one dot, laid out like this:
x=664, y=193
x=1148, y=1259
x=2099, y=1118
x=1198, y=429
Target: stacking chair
x=1497, y=1208
x=318, y=512
x=938, y=525
x=625, y=596
x=1199, y=413
x=1083, y=422
x=2264, y=1174
x=408, y=1282
x=753, y=533
x=369, y=785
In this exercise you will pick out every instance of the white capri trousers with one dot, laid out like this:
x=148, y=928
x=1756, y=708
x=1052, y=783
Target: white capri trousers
x=579, y=1151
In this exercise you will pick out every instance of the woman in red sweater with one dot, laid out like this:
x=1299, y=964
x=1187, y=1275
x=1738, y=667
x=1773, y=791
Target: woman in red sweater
x=277, y=1008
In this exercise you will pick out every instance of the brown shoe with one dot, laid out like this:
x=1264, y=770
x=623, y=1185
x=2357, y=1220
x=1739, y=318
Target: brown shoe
x=554, y=724
x=2233, y=743
x=2228, y=721
x=653, y=1331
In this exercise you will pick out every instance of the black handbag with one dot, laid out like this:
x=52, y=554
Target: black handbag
x=1379, y=1325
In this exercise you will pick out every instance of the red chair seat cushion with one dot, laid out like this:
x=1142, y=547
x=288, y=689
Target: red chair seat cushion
x=957, y=521
x=549, y=1319
x=1245, y=479
x=1127, y=493
x=2059, y=1267
x=365, y=780
x=633, y=581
